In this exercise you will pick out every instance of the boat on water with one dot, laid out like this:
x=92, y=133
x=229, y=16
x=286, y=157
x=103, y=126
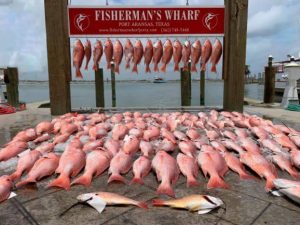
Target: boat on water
x=159, y=80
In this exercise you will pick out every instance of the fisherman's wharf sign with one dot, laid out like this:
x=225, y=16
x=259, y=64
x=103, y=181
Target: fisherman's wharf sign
x=86, y=21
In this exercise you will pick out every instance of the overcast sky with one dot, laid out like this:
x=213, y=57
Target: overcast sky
x=273, y=28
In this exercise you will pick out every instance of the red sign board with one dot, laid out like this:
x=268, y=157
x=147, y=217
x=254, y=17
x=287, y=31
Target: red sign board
x=145, y=21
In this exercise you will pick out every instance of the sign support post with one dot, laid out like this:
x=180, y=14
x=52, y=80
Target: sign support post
x=236, y=14
x=58, y=50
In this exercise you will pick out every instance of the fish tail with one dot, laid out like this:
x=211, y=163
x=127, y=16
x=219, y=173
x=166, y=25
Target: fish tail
x=176, y=67
x=185, y=68
x=142, y=205
x=246, y=176
x=79, y=74
x=213, y=68
x=135, y=69
x=156, y=67
x=16, y=175
x=137, y=180
x=165, y=188
x=95, y=67
x=62, y=181
x=191, y=181
x=85, y=180
x=203, y=67
x=108, y=66
x=217, y=182
x=24, y=182
x=86, y=66
x=127, y=65
x=158, y=202
x=117, y=69
x=116, y=177
x=269, y=185
x=194, y=69
x=148, y=70
x=294, y=173
x=163, y=68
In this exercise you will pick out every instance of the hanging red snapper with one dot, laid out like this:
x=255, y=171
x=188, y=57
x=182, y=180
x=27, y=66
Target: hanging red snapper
x=177, y=54
x=157, y=54
x=87, y=53
x=216, y=55
x=78, y=55
x=118, y=55
x=108, y=52
x=195, y=55
x=128, y=52
x=97, y=54
x=137, y=55
x=148, y=54
x=206, y=53
x=167, y=55
x=186, y=53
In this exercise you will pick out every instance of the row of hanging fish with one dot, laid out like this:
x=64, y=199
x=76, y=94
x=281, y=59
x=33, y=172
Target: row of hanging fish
x=168, y=144
x=153, y=53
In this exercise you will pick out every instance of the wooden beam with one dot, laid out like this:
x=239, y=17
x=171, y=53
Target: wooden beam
x=58, y=46
x=99, y=85
x=236, y=15
x=269, y=90
x=202, y=87
x=113, y=85
x=12, y=87
x=184, y=88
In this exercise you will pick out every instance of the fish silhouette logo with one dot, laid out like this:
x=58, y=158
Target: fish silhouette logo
x=82, y=22
x=210, y=20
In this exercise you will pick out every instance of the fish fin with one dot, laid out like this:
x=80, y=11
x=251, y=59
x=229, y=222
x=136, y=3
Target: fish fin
x=16, y=175
x=142, y=205
x=24, y=182
x=116, y=177
x=294, y=174
x=203, y=67
x=193, y=68
x=156, y=68
x=165, y=189
x=217, y=182
x=269, y=185
x=62, y=181
x=204, y=211
x=83, y=180
x=137, y=180
x=176, y=67
x=135, y=69
x=163, y=68
x=192, y=182
x=246, y=176
x=79, y=74
x=158, y=202
x=148, y=70
x=213, y=68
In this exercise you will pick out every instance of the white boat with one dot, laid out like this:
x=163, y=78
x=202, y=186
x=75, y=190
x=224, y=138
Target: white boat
x=159, y=80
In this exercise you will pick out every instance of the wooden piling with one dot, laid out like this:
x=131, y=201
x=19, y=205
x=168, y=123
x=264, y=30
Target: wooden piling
x=189, y=84
x=58, y=50
x=269, y=90
x=236, y=15
x=202, y=87
x=12, y=87
x=99, y=85
x=184, y=77
x=113, y=85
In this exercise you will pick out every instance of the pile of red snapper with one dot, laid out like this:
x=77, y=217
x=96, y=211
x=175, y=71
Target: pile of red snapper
x=155, y=53
x=167, y=144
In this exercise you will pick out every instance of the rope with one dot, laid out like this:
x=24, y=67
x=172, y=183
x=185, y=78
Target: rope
x=293, y=107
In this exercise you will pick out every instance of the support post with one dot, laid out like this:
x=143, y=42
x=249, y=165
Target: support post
x=202, y=87
x=12, y=87
x=58, y=46
x=190, y=83
x=113, y=85
x=236, y=15
x=184, y=87
x=269, y=91
x=99, y=85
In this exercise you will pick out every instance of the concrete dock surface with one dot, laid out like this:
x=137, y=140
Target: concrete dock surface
x=246, y=202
